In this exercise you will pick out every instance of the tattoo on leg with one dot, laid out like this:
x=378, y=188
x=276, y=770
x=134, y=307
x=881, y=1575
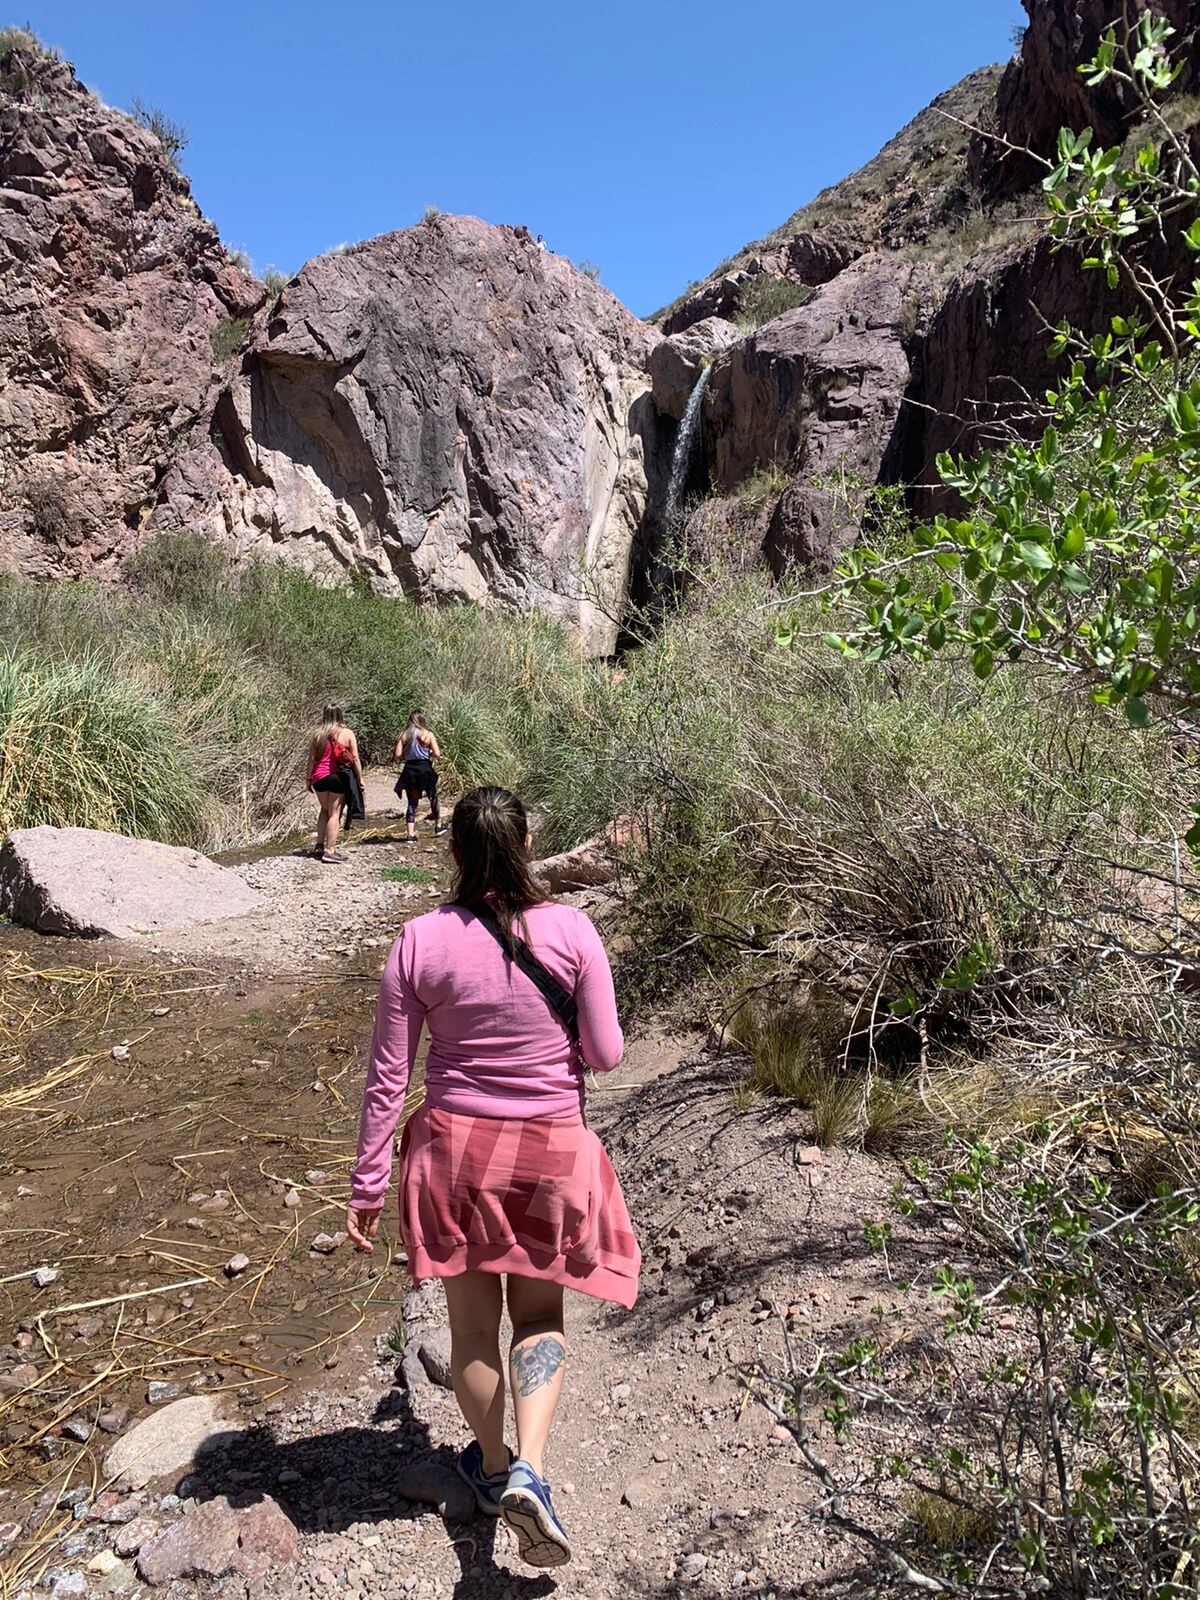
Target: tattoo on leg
x=535, y=1364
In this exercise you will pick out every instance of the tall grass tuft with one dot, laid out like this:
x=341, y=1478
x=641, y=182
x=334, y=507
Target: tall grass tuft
x=85, y=745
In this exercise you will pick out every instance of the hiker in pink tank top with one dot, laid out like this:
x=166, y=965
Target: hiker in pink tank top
x=504, y=1191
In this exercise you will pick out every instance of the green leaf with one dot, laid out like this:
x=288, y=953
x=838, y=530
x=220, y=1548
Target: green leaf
x=1034, y=556
x=983, y=661
x=1072, y=542
x=1137, y=712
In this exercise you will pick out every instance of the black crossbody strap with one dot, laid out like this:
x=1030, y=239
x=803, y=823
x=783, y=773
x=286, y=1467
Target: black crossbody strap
x=560, y=1002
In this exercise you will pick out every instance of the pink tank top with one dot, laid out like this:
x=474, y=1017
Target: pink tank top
x=332, y=757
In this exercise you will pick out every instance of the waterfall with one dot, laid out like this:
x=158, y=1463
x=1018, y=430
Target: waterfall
x=682, y=461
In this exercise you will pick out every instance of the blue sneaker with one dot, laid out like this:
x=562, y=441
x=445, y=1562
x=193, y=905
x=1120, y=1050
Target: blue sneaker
x=486, y=1487
x=527, y=1508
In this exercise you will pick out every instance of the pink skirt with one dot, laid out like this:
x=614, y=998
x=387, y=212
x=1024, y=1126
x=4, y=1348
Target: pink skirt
x=537, y=1197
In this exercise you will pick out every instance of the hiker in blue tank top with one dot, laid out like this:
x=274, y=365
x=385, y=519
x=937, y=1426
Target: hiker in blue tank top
x=417, y=748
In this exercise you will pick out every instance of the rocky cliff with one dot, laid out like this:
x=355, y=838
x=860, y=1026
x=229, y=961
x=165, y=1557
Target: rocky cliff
x=451, y=409
x=463, y=416
x=112, y=284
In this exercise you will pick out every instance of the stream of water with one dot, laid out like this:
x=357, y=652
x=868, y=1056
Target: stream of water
x=686, y=443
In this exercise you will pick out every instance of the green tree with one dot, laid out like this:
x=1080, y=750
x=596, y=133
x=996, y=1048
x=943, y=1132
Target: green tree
x=1081, y=549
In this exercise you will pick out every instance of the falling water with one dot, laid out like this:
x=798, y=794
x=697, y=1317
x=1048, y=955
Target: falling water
x=685, y=452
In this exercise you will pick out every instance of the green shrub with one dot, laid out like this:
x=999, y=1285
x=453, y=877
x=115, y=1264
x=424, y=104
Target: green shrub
x=763, y=298
x=173, y=136
x=228, y=337
x=276, y=282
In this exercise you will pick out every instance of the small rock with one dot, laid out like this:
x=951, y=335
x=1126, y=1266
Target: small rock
x=433, y=1352
x=70, y=1498
x=250, y=1340
x=427, y=1483
x=718, y=1517
x=134, y=1535
x=636, y=1494
x=65, y=1585
x=18, y=1378
x=214, y=1538
x=104, y=1562
x=739, y=1580
x=620, y=1393
x=120, y=1052
x=113, y=1419
x=158, y=1393
x=77, y=1428
x=236, y=1264
x=811, y=1156
x=780, y=1434
x=214, y=1203
x=324, y=1244
x=314, y=1175
x=45, y=1276
x=692, y=1566
x=9, y=1532
x=161, y=1011
x=292, y=1199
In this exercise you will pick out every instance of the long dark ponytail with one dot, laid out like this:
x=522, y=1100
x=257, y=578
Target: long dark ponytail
x=488, y=831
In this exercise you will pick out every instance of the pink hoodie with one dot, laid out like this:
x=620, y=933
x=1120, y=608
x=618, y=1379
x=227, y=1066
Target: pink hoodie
x=496, y=1049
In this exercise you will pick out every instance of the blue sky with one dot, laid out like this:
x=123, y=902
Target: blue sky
x=653, y=138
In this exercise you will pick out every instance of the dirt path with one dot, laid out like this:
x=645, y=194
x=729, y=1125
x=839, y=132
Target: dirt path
x=229, y=1126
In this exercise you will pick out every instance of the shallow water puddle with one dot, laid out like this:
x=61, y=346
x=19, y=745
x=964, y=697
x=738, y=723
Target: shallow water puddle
x=174, y=1141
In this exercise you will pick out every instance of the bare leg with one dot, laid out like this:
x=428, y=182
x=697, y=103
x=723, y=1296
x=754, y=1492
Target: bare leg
x=536, y=1362
x=474, y=1300
x=332, y=804
x=321, y=819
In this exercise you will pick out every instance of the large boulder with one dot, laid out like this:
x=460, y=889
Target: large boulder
x=87, y=882
x=818, y=390
x=217, y=1537
x=676, y=363
x=111, y=285
x=164, y=1443
x=452, y=409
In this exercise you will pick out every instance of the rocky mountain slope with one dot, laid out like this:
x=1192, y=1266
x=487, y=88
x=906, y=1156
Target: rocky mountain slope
x=463, y=416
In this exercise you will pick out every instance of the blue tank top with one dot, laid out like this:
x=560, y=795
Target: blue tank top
x=416, y=750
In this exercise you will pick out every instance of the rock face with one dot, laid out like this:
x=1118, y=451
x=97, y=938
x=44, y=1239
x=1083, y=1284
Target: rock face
x=460, y=413
x=675, y=363
x=111, y=283
x=163, y=1443
x=1042, y=90
x=83, y=881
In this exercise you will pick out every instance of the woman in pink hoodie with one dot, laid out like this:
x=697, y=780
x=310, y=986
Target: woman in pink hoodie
x=504, y=1192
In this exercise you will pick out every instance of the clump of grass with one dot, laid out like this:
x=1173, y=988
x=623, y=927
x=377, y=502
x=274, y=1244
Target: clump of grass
x=405, y=875
x=396, y=1338
x=762, y=486
x=763, y=298
x=82, y=745
x=173, y=136
x=228, y=337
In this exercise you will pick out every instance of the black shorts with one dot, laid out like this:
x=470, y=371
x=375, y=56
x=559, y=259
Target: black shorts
x=417, y=778
x=335, y=783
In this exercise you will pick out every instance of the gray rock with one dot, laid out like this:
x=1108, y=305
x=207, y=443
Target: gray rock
x=427, y=1483
x=87, y=882
x=676, y=363
x=433, y=1351
x=158, y=1393
x=164, y=1442
x=236, y=1264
